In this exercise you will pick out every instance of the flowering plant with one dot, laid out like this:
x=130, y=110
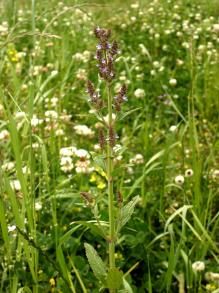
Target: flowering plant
x=111, y=277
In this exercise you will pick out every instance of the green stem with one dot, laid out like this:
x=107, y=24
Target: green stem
x=110, y=187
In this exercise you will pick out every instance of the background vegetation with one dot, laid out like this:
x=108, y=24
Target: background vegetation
x=167, y=151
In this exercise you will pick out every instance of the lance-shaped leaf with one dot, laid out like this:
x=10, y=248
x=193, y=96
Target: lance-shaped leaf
x=126, y=212
x=96, y=263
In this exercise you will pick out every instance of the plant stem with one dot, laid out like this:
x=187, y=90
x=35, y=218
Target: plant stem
x=110, y=187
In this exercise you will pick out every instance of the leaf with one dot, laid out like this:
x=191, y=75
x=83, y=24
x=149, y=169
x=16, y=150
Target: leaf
x=127, y=211
x=24, y=289
x=92, y=225
x=96, y=263
x=129, y=113
x=114, y=278
x=176, y=213
x=127, y=287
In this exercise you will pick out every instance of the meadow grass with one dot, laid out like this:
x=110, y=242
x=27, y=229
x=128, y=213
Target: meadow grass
x=167, y=152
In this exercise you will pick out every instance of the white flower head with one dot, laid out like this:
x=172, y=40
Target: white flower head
x=216, y=27
x=20, y=115
x=4, y=135
x=38, y=206
x=83, y=166
x=15, y=185
x=66, y=164
x=215, y=174
x=8, y=166
x=173, y=128
x=173, y=82
x=81, y=153
x=51, y=114
x=67, y=151
x=198, y=266
x=179, y=180
x=84, y=130
x=11, y=228
x=35, y=121
x=139, y=93
x=189, y=173
x=137, y=159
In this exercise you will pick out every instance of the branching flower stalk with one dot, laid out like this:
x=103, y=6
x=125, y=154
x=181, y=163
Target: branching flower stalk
x=105, y=56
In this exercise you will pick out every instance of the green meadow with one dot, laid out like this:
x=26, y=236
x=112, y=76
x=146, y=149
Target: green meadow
x=109, y=146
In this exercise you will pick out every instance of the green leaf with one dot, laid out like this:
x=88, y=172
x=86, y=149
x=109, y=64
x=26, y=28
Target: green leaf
x=129, y=113
x=93, y=226
x=114, y=278
x=24, y=289
x=127, y=211
x=96, y=263
x=127, y=287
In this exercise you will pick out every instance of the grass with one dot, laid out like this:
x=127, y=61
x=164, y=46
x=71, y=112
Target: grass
x=169, y=60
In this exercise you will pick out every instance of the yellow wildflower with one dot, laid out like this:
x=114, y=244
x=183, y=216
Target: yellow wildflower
x=52, y=282
x=210, y=287
x=93, y=178
x=101, y=185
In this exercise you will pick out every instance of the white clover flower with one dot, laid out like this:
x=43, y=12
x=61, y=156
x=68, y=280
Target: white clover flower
x=38, y=206
x=173, y=128
x=130, y=170
x=67, y=151
x=83, y=166
x=8, y=166
x=84, y=130
x=173, y=82
x=81, y=74
x=35, y=121
x=15, y=185
x=133, y=18
x=212, y=276
x=179, y=180
x=134, y=6
x=77, y=56
x=189, y=173
x=97, y=147
x=198, y=266
x=185, y=45
x=20, y=115
x=215, y=174
x=54, y=72
x=156, y=64
x=81, y=153
x=139, y=93
x=60, y=132
x=137, y=159
x=11, y=228
x=216, y=27
x=54, y=101
x=179, y=62
x=51, y=114
x=4, y=135
x=66, y=164
x=153, y=72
